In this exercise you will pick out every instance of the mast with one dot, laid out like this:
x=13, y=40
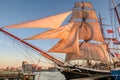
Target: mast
x=115, y=8
x=35, y=48
x=101, y=25
x=83, y=25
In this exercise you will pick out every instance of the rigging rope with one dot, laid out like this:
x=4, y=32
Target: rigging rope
x=17, y=48
x=20, y=46
x=25, y=48
x=51, y=43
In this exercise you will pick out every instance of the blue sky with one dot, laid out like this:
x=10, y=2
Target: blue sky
x=17, y=11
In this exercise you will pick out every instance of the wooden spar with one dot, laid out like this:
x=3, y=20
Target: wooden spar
x=37, y=49
x=116, y=11
x=101, y=23
x=115, y=48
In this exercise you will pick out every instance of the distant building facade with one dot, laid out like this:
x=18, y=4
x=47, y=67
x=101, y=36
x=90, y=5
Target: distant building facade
x=28, y=68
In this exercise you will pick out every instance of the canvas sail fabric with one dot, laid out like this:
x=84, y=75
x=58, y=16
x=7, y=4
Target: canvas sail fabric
x=89, y=31
x=70, y=45
x=87, y=14
x=47, y=22
x=90, y=51
x=61, y=33
x=71, y=33
x=83, y=4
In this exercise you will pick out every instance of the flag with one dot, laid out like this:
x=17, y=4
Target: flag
x=110, y=31
x=115, y=41
x=117, y=55
x=119, y=29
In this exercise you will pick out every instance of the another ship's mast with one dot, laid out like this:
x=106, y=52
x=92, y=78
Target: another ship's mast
x=115, y=8
x=37, y=49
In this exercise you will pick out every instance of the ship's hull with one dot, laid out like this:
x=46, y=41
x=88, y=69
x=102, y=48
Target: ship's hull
x=76, y=73
x=115, y=74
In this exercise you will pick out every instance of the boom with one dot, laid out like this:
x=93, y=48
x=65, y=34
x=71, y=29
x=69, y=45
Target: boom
x=35, y=48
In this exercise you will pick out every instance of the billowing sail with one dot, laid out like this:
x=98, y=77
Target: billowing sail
x=61, y=32
x=89, y=31
x=70, y=45
x=87, y=14
x=83, y=5
x=48, y=22
x=90, y=51
x=83, y=25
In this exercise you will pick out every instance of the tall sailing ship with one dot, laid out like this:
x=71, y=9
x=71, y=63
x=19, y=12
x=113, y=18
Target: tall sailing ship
x=81, y=39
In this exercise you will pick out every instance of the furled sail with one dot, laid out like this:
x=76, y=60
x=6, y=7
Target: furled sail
x=90, y=51
x=61, y=32
x=47, y=22
x=83, y=4
x=70, y=45
x=87, y=14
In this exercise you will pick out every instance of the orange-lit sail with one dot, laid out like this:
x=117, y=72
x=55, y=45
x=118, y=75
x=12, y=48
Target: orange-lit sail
x=61, y=32
x=83, y=25
x=83, y=4
x=87, y=14
x=48, y=22
x=70, y=45
x=90, y=31
x=90, y=51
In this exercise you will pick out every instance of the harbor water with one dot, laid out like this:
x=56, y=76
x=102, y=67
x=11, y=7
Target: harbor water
x=46, y=75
